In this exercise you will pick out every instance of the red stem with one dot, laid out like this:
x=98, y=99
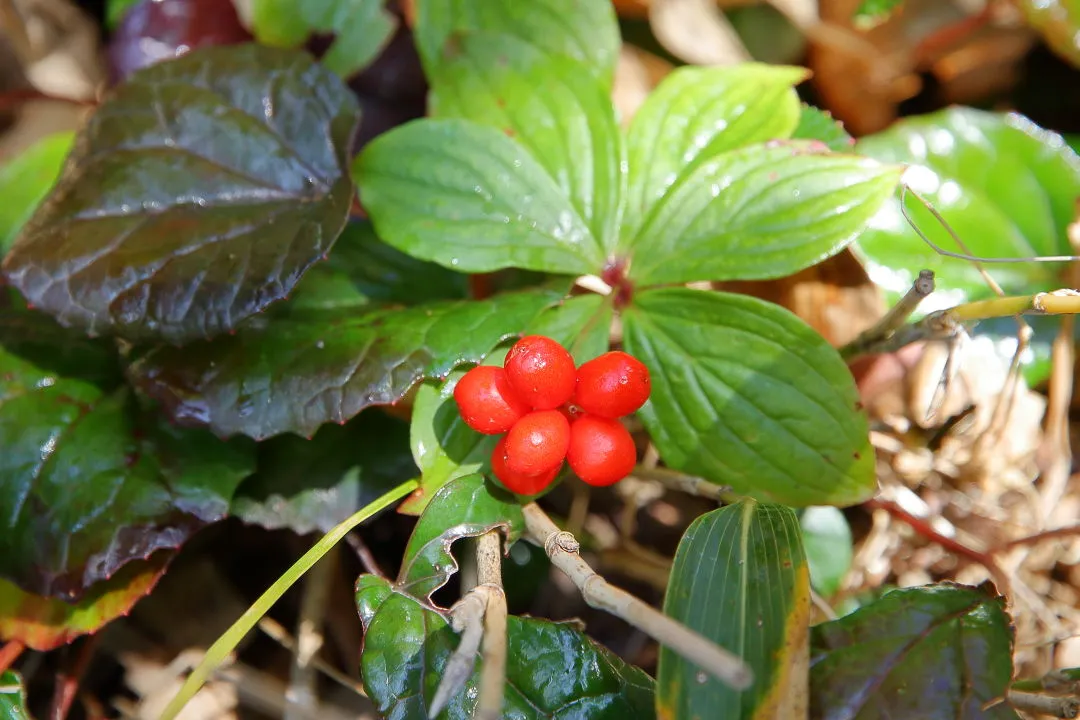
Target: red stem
x=9, y=653
x=67, y=682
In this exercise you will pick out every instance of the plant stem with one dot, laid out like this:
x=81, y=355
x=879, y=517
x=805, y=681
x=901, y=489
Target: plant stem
x=493, y=673
x=1059, y=707
x=232, y=637
x=893, y=320
x=562, y=549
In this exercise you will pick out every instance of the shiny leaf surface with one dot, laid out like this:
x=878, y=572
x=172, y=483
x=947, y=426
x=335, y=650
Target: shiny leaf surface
x=199, y=193
x=298, y=371
x=694, y=115
x=741, y=579
x=561, y=114
x=938, y=652
x=764, y=211
x=745, y=394
x=12, y=697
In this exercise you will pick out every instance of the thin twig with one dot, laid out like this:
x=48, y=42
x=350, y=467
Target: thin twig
x=301, y=698
x=894, y=319
x=279, y=634
x=562, y=549
x=68, y=679
x=9, y=653
x=1068, y=531
x=493, y=673
x=684, y=483
x=363, y=554
x=467, y=619
x=1059, y=707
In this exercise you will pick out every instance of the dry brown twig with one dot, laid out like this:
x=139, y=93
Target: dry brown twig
x=562, y=548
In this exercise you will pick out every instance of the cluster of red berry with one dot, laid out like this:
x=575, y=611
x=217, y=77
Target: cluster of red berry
x=551, y=411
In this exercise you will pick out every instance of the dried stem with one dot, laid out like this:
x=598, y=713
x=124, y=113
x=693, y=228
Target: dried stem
x=689, y=484
x=301, y=698
x=1059, y=707
x=562, y=549
x=893, y=320
x=280, y=635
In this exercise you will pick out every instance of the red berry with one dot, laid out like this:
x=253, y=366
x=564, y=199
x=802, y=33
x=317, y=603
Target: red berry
x=537, y=442
x=487, y=402
x=541, y=371
x=601, y=450
x=518, y=482
x=612, y=385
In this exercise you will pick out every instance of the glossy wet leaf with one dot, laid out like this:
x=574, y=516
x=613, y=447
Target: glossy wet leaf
x=443, y=446
x=585, y=30
x=303, y=369
x=465, y=507
x=1058, y=21
x=826, y=538
x=562, y=115
x=746, y=394
x=89, y=483
x=361, y=28
x=312, y=485
x=198, y=194
x=581, y=323
x=382, y=273
x=553, y=670
x=12, y=697
x=818, y=124
x=939, y=652
x=740, y=579
x=36, y=338
x=696, y=114
x=1006, y=187
x=26, y=179
x=469, y=198
x=764, y=211
x=44, y=623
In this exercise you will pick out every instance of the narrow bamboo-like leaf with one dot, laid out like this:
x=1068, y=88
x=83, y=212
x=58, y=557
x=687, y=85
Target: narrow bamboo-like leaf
x=312, y=485
x=471, y=199
x=761, y=212
x=552, y=671
x=361, y=28
x=465, y=507
x=741, y=579
x=1007, y=187
x=563, y=115
x=827, y=540
x=26, y=180
x=199, y=193
x=45, y=623
x=940, y=652
x=746, y=394
x=585, y=30
x=696, y=114
x=303, y=369
x=12, y=697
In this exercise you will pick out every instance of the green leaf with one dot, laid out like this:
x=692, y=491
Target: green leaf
x=761, y=212
x=553, y=670
x=873, y=12
x=12, y=697
x=826, y=537
x=818, y=124
x=740, y=579
x=45, y=623
x=303, y=369
x=745, y=394
x=361, y=28
x=88, y=483
x=465, y=507
x=940, y=652
x=581, y=323
x=384, y=274
x=696, y=114
x=443, y=446
x=312, y=485
x=467, y=197
x=585, y=30
x=198, y=194
x=1058, y=21
x=115, y=11
x=560, y=113
x=1006, y=187
x=26, y=180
